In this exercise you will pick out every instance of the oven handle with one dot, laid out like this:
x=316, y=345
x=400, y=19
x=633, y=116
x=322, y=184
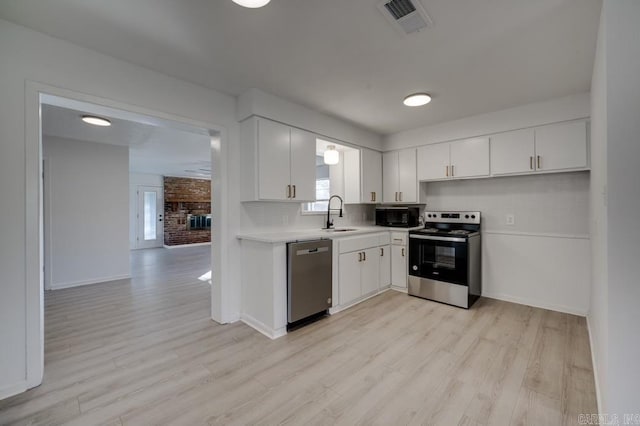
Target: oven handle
x=427, y=237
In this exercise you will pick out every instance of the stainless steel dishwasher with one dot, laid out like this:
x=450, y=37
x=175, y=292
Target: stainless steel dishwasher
x=309, y=273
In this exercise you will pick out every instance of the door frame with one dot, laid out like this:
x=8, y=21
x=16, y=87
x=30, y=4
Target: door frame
x=221, y=288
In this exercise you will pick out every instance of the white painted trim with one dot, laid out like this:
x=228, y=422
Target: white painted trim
x=186, y=245
x=334, y=310
x=13, y=389
x=404, y=290
x=223, y=309
x=535, y=304
x=594, y=366
x=538, y=234
x=89, y=282
x=261, y=327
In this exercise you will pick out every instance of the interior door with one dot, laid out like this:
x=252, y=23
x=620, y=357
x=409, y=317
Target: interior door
x=150, y=229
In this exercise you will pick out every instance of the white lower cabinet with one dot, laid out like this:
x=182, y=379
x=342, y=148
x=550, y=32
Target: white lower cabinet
x=364, y=267
x=399, y=259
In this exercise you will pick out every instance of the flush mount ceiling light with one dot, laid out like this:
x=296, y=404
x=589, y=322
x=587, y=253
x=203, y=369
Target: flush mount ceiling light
x=253, y=4
x=331, y=156
x=96, y=121
x=417, y=99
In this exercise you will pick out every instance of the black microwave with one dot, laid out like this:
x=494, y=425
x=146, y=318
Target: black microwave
x=400, y=217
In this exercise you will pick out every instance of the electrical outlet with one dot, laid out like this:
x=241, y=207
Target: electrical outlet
x=511, y=219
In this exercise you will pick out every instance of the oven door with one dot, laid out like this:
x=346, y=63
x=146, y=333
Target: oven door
x=438, y=258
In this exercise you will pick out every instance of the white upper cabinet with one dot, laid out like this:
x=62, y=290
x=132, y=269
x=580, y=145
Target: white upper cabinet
x=399, y=182
x=280, y=162
x=551, y=148
x=303, y=165
x=362, y=176
x=469, y=158
x=433, y=162
x=561, y=146
x=450, y=160
x=513, y=152
x=371, y=176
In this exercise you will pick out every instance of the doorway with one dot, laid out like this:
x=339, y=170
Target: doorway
x=38, y=94
x=149, y=213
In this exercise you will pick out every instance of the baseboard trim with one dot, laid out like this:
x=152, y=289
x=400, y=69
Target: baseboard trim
x=594, y=366
x=404, y=290
x=535, y=304
x=186, y=245
x=336, y=309
x=261, y=327
x=89, y=282
x=13, y=389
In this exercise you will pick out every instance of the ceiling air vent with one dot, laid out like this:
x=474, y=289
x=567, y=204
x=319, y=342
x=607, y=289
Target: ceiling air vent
x=407, y=16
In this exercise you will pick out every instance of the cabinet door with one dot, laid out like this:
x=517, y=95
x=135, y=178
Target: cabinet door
x=371, y=176
x=274, y=177
x=385, y=266
x=399, y=266
x=351, y=165
x=470, y=158
x=433, y=162
x=370, y=278
x=407, y=177
x=303, y=165
x=349, y=277
x=561, y=146
x=512, y=152
x=390, y=177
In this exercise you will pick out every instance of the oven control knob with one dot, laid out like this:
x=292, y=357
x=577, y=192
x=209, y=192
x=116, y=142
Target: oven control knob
x=473, y=216
x=414, y=267
x=466, y=216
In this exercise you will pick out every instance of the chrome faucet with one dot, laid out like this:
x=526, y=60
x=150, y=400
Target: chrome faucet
x=329, y=220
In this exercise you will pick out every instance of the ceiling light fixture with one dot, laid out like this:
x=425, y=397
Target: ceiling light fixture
x=252, y=4
x=96, y=121
x=331, y=156
x=417, y=99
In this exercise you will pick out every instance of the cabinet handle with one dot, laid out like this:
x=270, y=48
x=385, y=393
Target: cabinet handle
x=531, y=162
x=446, y=171
x=539, y=162
x=294, y=191
x=288, y=191
x=400, y=195
x=360, y=257
x=452, y=174
x=364, y=256
x=381, y=251
x=396, y=196
x=373, y=196
x=402, y=251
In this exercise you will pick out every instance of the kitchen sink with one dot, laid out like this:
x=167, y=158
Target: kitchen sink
x=339, y=229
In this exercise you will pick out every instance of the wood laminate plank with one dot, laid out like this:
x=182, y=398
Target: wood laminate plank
x=144, y=351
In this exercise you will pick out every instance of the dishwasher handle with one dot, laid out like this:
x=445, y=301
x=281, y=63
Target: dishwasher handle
x=313, y=250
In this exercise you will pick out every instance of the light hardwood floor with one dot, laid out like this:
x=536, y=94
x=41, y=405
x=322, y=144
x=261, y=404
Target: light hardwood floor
x=144, y=351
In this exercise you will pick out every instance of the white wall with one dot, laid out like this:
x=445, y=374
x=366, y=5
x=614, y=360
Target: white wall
x=87, y=200
x=615, y=317
x=530, y=115
x=542, y=259
x=257, y=102
x=135, y=180
x=28, y=56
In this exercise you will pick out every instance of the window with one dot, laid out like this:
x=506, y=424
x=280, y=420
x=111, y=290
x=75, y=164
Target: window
x=323, y=189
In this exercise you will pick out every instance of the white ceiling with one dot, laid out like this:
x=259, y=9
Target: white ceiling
x=342, y=57
x=153, y=149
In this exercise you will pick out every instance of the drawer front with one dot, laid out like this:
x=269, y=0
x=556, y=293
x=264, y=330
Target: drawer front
x=399, y=238
x=350, y=244
x=384, y=239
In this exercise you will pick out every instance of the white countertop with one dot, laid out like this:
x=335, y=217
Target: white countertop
x=315, y=234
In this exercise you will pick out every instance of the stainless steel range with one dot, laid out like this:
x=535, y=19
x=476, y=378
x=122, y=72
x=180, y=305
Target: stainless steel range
x=444, y=258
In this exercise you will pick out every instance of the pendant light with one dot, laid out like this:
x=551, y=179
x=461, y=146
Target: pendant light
x=331, y=156
x=252, y=4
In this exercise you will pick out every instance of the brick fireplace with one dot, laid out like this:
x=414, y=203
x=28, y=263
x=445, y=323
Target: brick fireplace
x=185, y=198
